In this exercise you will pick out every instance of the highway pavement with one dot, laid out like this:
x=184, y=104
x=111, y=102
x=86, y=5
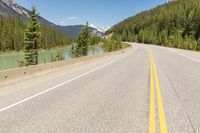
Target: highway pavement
x=146, y=89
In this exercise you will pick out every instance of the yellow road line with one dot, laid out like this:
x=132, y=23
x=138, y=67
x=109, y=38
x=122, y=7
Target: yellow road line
x=154, y=80
x=152, y=123
x=163, y=125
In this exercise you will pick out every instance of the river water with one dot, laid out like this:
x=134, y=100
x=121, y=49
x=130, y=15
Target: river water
x=9, y=61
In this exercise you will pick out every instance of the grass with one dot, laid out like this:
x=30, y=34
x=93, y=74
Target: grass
x=125, y=45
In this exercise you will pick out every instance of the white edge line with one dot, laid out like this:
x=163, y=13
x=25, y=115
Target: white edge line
x=178, y=53
x=63, y=83
x=184, y=55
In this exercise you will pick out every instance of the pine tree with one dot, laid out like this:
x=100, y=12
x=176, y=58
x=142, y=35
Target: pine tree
x=164, y=38
x=32, y=39
x=178, y=39
x=174, y=24
x=124, y=35
x=185, y=42
x=12, y=35
x=198, y=45
x=192, y=43
x=83, y=42
x=130, y=36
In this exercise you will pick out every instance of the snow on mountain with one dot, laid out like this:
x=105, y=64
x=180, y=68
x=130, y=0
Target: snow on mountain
x=100, y=29
x=106, y=28
x=93, y=26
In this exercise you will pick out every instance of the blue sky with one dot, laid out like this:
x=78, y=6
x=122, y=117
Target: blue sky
x=98, y=12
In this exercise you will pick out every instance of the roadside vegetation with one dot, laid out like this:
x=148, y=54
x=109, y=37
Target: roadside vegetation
x=28, y=39
x=12, y=32
x=32, y=39
x=112, y=43
x=174, y=24
x=83, y=41
x=109, y=44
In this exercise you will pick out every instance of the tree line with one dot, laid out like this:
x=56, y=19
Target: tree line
x=85, y=39
x=31, y=36
x=173, y=24
x=12, y=32
x=112, y=43
x=82, y=43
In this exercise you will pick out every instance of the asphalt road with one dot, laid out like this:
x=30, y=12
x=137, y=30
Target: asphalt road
x=146, y=89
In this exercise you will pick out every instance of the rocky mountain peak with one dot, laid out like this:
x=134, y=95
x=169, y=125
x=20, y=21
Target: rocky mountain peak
x=8, y=2
x=16, y=7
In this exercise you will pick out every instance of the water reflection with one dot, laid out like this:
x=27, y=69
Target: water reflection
x=8, y=61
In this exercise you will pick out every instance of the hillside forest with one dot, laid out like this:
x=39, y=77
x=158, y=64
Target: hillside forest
x=12, y=35
x=174, y=24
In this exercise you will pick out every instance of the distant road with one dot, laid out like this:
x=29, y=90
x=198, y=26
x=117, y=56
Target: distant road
x=147, y=89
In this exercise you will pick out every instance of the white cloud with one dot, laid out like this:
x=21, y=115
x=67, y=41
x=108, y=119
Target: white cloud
x=62, y=22
x=171, y=0
x=70, y=18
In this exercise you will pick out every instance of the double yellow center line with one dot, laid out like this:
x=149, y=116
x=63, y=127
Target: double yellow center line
x=154, y=83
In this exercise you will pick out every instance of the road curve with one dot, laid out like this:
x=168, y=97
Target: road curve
x=111, y=95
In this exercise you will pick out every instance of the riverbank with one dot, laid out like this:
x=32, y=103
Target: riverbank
x=18, y=74
x=15, y=59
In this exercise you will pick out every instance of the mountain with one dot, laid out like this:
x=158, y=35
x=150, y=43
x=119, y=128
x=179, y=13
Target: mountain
x=10, y=8
x=103, y=29
x=18, y=9
x=6, y=10
x=74, y=30
x=174, y=24
x=13, y=27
